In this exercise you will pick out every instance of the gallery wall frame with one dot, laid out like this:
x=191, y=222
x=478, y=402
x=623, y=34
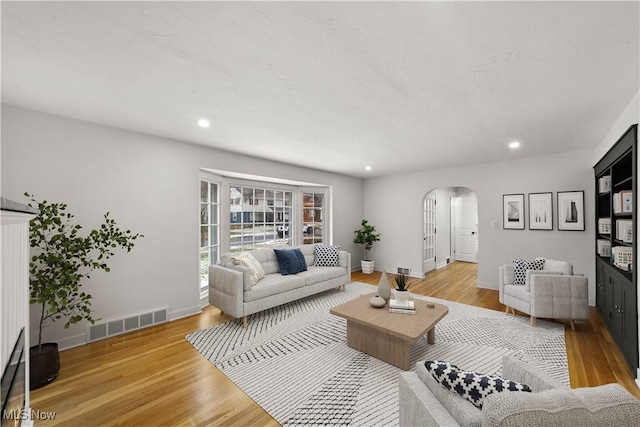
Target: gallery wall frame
x=570, y=210
x=513, y=211
x=541, y=211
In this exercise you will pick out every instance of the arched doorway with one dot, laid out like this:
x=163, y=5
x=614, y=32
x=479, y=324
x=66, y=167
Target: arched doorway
x=450, y=227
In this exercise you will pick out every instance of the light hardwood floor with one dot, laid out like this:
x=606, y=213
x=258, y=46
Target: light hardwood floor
x=154, y=377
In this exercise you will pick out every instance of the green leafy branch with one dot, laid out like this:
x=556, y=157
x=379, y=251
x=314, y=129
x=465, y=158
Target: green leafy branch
x=62, y=258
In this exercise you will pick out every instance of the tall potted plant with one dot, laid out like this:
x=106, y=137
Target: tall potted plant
x=60, y=259
x=366, y=236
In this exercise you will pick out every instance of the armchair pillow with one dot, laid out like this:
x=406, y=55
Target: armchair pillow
x=470, y=385
x=521, y=266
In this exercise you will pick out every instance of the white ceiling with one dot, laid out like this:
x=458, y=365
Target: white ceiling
x=399, y=86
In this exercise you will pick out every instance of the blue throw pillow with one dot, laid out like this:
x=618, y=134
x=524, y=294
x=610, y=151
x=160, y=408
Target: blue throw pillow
x=291, y=261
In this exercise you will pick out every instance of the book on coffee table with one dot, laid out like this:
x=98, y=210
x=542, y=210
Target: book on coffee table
x=402, y=310
x=410, y=305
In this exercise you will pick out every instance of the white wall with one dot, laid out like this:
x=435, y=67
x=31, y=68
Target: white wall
x=402, y=228
x=629, y=116
x=151, y=186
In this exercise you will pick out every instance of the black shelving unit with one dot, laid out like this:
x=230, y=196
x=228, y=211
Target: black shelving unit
x=616, y=282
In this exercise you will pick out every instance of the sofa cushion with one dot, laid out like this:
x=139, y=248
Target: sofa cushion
x=247, y=260
x=554, y=265
x=609, y=405
x=291, y=261
x=267, y=258
x=521, y=266
x=273, y=284
x=517, y=291
x=326, y=256
x=321, y=274
x=471, y=385
x=308, y=252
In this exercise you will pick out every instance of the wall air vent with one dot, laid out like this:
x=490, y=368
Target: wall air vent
x=404, y=270
x=112, y=328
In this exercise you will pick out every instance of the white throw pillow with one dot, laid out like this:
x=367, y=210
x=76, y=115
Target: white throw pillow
x=256, y=272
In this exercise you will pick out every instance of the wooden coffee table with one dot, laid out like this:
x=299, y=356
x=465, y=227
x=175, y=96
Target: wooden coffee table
x=388, y=336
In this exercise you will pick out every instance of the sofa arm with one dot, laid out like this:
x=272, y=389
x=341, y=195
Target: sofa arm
x=505, y=277
x=226, y=290
x=517, y=370
x=560, y=297
x=606, y=405
x=418, y=406
x=344, y=260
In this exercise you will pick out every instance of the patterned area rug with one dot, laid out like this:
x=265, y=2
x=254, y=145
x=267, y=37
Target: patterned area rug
x=293, y=360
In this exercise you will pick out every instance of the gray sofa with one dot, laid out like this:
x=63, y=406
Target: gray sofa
x=424, y=402
x=231, y=291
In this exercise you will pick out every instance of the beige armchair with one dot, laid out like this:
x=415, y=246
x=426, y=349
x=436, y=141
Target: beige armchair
x=554, y=292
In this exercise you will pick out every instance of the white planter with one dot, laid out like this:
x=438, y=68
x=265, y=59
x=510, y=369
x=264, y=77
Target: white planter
x=402, y=297
x=367, y=266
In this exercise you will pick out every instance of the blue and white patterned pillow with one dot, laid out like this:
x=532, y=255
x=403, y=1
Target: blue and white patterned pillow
x=521, y=266
x=472, y=386
x=325, y=256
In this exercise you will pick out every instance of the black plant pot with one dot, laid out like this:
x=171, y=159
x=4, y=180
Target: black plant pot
x=45, y=365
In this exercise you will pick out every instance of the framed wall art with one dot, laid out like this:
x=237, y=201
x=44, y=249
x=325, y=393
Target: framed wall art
x=571, y=210
x=540, y=211
x=513, y=211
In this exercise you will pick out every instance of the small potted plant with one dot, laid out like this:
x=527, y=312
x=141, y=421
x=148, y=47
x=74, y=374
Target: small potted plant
x=366, y=236
x=60, y=259
x=402, y=289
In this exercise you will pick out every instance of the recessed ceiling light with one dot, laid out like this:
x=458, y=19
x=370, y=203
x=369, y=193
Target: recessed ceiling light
x=514, y=144
x=367, y=168
x=203, y=123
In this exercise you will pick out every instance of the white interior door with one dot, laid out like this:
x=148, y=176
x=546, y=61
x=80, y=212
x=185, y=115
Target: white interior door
x=429, y=233
x=466, y=228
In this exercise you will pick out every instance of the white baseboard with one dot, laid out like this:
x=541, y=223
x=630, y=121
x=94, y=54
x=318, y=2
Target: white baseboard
x=71, y=342
x=185, y=312
x=487, y=285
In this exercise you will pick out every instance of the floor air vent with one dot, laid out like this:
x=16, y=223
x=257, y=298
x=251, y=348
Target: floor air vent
x=112, y=328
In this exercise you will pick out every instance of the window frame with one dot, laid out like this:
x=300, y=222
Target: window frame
x=214, y=240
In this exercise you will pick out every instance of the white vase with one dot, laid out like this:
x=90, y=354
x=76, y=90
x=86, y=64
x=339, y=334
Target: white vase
x=367, y=266
x=384, y=289
x=402, y=297
x=377, y=301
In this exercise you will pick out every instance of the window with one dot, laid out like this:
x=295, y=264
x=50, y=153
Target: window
x=260, y=218
x=238, y=213
x=209, y=229
x=313, y=205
